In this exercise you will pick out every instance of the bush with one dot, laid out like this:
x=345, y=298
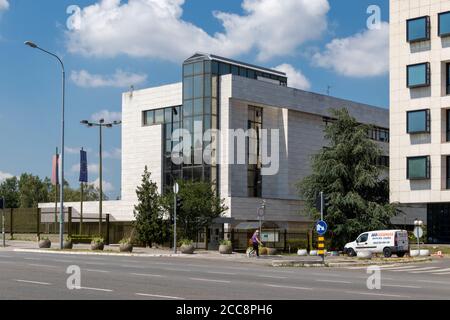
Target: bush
x=225, y=242
x=262, y=251
x=297, y=244
x=186, y=242
x=98, y=240
x=44, y=238
x=125, y=241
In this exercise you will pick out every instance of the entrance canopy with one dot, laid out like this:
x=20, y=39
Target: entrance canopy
x=255, y=225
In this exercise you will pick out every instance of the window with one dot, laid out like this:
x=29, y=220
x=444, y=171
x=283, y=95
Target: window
x=363, y=237
x=448, y=124
x=418, y=121
x=418, y=29
x=382, y=161
x=254, y=178
x=448, y=172
x=447, y=78
x=418, y=75
x=444, y=24
x=149, y=118
x=418, y=168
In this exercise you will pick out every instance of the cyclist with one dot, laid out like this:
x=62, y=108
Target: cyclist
x=256, y=242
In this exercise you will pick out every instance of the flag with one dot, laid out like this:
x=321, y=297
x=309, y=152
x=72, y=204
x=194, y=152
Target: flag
x=83, y=167
x=55, y=170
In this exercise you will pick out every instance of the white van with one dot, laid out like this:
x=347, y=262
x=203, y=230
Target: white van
x=383, y=241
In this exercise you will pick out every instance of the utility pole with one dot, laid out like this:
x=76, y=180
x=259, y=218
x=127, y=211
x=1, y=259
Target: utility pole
x=176, y=189
x=2, y=206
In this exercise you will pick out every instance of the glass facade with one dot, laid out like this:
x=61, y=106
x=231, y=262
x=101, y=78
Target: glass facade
x=418, y=168
x=444, y=24
x=418, y=29
x=418, y=121
x=418, y=75
x=254, y=178
x=438, y=223
x=447, y=78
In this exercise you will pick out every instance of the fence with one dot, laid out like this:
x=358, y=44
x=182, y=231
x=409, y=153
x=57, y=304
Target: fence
x=37, y=222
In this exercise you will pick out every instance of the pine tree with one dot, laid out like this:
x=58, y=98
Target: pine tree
x=346, y=171
x=149, y=225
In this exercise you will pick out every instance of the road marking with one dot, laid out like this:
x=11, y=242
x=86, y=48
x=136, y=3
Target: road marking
x=5, y=257
x=417, y=269
x=365, y=267
x=333, y=281
x=43, y=265
x=35, y=259
x=286, y=287
x=209, y=280
x=63, y=261
x=398, y=268
x=95, y=270
x=34, y=282
x=431, y=281
x=94, y=263
x=131, y=266
x=158, y=296
x=441, y=273
x=96, y=289
x=272, y=277
x=429, y=271
x=148, y=275
x=401, y=286
x=174, y=269
x=377, y=294
x=224, y=273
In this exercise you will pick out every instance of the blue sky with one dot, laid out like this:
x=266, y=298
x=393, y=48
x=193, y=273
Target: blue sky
x=112, y=44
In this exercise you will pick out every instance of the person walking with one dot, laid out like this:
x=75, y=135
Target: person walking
x=256, y=241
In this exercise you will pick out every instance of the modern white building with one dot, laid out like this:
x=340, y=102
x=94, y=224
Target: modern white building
x=228, y=95
x=420, y=110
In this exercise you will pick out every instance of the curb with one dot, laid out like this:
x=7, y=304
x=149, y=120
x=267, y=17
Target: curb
x=304, y=264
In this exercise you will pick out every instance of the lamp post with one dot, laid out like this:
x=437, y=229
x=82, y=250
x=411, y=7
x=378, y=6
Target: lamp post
x=100, y=124
x=61, y=212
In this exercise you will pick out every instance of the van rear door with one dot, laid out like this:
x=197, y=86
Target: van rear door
x=402, y=240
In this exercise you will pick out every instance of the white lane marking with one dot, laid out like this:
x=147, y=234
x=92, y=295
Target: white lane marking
x=286, y=287
x=131, y=266
x=148, y=275
x=210, y=280
x=377, y=294
x=33, y=282
x=224, y=273
x=43, y=265
x=429, y=271
x=34, y=259
x=272, y=277
x=96, y=289
x=417, y=269
x=333, y=281
x=5, y=256
x=431, y=281
x=174, y=269
x=442, y=273
x=95, y=270
x=93, y=263
x=158, y=296
x=398, y=268
x=63, y=261
x=365, y=267
x=400, y=286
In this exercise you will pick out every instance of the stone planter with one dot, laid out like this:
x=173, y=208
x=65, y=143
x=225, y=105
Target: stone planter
x=364, y=254
x=414, y=253
x=126, y=247
x=272, y=251
x=97, y=246
x=67, y=244
x=424, y=253
x=313, y=253
x=187, y=248
x=45, y=244
x=263, y=251
x=302, y=252
x=334, y=253
x=225, y=249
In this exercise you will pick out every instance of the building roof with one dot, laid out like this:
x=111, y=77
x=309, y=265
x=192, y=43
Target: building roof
x=207, y=56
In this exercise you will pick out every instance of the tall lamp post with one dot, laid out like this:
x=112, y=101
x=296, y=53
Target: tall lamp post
x=61, y=212
x=100, y=124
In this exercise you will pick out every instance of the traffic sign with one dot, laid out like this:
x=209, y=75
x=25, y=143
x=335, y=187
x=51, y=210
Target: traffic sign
x=176, y=188
x=418, y=232
x=321, y=227
x=260, y=212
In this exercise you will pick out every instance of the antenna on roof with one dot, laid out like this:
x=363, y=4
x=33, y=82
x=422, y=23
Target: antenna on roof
x=131, y=91
x=328, y=90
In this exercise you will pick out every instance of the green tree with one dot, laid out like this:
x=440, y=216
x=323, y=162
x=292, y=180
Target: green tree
x=346, y=171
x=9, y=189
x=200, y=206
x=32, y=191
x=90, y=192
x=149, y=225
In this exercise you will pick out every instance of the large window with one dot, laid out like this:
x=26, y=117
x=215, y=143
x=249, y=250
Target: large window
x=418, y=168
x=447, y=124
x=418, y=121
x=444, y=24
x=254, y=178
x=418, y=75
x=418, y=29
x=447, y=78
x=448, y=172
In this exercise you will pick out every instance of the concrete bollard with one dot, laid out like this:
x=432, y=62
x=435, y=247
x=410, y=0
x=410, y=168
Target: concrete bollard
x=364, y=254
x=302, y=252
x=424, y=253
x=313, y=253
x=414, y=253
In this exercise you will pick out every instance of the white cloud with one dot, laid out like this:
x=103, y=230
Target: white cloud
x=106, y=186
x=71, y=150
x=4, y=176
x=365, y=54
x=296, y=79
x=108, y=116
x=116, y=153
x=92, y=168
x=4, y=5
x=120, y=79
x=155, y=29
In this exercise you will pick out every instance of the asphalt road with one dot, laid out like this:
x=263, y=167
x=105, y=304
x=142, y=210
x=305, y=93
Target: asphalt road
x=43, y=276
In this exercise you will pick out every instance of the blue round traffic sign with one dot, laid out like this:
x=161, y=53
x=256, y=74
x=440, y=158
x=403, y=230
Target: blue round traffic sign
x=321, y=227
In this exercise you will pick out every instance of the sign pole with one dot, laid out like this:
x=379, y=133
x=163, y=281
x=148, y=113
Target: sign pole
x=321, y=206
x=175, y=192
x=2, y=202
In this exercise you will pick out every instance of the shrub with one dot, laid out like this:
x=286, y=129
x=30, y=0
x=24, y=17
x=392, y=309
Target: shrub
x=126, y=241
x=98, y=240
x=225, y=242
x=297, y=244
x=186, y=242
x=45, y=238
x=262, y=251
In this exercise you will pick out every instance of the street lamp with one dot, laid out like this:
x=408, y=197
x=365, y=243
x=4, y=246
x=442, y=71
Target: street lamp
x=61, y=213
x=100, y=124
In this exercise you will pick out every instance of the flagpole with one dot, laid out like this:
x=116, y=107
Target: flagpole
x=81, y=204
x=56, y=189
